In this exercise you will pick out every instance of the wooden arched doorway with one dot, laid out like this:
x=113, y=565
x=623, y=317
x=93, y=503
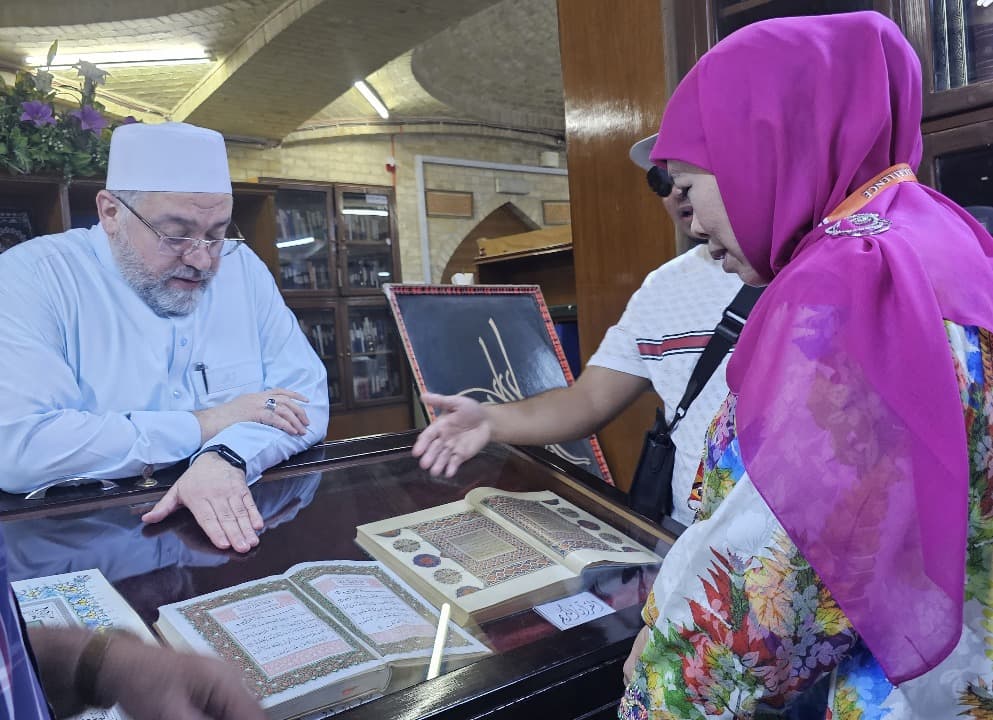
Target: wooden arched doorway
x=507, y=219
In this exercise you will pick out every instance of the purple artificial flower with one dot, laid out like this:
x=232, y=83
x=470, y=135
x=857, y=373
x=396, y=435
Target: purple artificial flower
x=37, y=112
x=130, y=120
x=90, y=119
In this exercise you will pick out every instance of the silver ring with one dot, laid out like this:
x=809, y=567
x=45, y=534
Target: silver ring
x=270, y=404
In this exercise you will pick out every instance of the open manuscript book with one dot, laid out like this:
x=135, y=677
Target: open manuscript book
x=495, y=553
x=319, y=634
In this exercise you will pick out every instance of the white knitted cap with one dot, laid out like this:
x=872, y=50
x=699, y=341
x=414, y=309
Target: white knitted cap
x=168, y=157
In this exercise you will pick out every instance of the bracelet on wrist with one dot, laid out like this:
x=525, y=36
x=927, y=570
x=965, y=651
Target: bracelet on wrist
x=88, y=667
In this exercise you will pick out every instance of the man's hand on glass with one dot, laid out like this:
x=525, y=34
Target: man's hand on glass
x=216, y=493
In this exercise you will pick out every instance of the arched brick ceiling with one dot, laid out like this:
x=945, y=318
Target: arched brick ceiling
x=287, y=65
x=309, y=53
x=397, y=87
x=29, y=13
x=501, y=65
x=219, y=28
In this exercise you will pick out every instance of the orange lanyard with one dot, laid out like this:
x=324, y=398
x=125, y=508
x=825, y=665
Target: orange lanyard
x=857, y=200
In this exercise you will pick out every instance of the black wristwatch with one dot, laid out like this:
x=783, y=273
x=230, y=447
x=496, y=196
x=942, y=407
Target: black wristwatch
x=227, y=453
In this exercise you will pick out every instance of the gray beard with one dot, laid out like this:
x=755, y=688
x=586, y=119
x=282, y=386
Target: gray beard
x=162, y=299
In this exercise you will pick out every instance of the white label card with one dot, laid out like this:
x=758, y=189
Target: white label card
x=573, y=610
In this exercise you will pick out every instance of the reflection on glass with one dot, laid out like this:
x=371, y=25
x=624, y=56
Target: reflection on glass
x=303, y=239
x=375, y=356
x=735, y=14
x=366, y=236
x=962, y=42
x=320, y=328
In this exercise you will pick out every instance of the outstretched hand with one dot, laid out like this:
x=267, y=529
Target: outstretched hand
x=459, y=433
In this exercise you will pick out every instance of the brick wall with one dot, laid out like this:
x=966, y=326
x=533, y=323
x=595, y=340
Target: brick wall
x=362, y=160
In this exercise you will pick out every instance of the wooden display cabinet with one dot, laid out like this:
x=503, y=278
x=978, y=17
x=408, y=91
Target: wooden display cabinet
x=366, y=223
x=333, y=245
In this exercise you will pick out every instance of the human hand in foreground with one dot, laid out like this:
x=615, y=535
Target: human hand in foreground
x=216, y=493
x=457, y=435
x=639, y=647
x=282, y=413
x=149, y=682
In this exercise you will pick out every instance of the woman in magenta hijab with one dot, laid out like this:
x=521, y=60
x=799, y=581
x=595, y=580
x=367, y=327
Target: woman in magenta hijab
x=846, y=524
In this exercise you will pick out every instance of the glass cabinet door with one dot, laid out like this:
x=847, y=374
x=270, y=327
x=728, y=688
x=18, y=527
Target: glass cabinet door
x=375, y=355
x=304, y=239
x=367, y=239
x=733, y=15
x=966, y=176
x=321, y=328
x=961, y=43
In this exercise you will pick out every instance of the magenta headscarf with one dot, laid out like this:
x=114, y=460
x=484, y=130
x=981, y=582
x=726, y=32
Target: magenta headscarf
x=849, y=414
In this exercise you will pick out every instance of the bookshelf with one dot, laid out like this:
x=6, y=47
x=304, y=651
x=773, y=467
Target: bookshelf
x=335, y=246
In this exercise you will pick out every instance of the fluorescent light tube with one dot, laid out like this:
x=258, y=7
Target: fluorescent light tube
x=163, y=56
x=370, y=95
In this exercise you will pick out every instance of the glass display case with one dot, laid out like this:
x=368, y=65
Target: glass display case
x=312, y=505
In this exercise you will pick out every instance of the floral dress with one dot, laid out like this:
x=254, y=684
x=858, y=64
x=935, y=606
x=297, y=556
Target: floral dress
x=740, y=622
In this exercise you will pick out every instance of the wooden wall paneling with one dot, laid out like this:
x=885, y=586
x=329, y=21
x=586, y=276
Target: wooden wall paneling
x=448, y=203
x=555, y=212
x=614, y=83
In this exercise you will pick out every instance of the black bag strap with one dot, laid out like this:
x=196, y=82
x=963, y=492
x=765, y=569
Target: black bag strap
x=725, y=336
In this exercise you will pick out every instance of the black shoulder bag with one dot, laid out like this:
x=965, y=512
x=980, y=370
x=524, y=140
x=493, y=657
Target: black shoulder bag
x=651, y=491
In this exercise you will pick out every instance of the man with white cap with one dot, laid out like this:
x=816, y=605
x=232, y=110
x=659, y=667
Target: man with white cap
x=154, y=337
x=656, y=344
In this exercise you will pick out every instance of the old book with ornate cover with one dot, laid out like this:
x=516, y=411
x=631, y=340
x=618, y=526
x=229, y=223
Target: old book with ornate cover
x=81, y=599
x=495, y=553
x=320, y=634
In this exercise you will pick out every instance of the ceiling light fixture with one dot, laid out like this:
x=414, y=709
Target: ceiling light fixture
x=126, y=58
x=369, y=94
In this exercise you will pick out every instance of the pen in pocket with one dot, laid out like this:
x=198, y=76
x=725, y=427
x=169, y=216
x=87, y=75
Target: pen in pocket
x=202, y=369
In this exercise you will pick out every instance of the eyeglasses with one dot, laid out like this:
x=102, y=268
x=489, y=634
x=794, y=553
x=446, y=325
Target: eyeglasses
x=174, y=246
x=659, y=181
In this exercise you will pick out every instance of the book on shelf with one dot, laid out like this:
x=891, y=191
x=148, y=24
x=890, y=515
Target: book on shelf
x=320, y=634
x=80, y=599
x=495, y=553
